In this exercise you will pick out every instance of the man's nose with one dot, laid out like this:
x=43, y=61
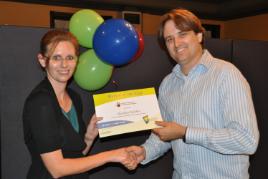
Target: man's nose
x=177, y=41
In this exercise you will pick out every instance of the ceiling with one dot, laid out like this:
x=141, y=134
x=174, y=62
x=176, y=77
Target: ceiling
x=206, y=9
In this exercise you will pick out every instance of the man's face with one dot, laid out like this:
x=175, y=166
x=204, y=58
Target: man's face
x=183, y=46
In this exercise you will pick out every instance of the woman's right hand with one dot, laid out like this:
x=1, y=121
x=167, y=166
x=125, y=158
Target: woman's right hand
x=92, y=130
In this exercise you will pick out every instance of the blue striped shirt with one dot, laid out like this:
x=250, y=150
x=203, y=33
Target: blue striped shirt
x=215, y=103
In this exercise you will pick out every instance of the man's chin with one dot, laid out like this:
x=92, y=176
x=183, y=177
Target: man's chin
x=180, y=61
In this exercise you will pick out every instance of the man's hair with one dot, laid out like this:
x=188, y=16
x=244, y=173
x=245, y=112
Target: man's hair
x=183, y=19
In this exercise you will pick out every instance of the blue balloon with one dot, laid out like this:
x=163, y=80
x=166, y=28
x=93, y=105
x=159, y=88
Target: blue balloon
x=115, y=41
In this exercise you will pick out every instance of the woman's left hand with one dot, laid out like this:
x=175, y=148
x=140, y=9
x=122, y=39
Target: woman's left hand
x=92, y=130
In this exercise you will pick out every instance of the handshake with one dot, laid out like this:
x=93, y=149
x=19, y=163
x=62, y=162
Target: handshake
x=130, y=157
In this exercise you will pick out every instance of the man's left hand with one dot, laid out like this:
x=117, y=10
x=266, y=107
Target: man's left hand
x=169, y=130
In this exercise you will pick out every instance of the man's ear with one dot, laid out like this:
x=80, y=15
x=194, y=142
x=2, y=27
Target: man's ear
x=200, y=37
x=42, y=60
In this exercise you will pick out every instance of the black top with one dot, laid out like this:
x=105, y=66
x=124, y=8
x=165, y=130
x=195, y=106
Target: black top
x=46, y=129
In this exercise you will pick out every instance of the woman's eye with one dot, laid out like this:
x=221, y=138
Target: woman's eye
x=71, y=57
x=56, y=57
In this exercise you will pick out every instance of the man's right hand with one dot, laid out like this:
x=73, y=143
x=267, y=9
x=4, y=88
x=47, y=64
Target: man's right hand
x=139, y=151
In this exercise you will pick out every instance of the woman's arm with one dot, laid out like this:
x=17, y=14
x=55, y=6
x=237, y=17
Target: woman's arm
x=91, y=133
x=58, y=166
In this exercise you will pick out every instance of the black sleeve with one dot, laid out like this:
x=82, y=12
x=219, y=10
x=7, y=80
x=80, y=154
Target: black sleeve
x=41, y=116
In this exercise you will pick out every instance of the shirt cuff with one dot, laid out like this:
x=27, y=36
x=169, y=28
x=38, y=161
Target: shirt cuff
x=196, y=136
x=147, y=157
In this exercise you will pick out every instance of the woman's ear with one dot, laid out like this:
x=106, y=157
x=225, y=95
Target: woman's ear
x=42, y=60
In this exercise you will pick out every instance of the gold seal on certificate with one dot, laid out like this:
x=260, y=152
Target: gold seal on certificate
x=126, y=111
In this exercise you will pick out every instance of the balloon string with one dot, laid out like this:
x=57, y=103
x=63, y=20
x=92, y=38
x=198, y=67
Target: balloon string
x=115, y=84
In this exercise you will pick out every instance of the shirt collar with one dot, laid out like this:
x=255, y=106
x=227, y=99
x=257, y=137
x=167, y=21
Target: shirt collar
x=202, y=66
x=206, y=59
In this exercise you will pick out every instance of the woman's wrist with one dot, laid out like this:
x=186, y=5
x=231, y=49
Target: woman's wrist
x=110, y=156
x=89, y=138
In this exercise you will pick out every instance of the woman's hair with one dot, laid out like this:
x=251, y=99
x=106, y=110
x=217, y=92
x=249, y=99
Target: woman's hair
x=52, y=38
x=183, y=19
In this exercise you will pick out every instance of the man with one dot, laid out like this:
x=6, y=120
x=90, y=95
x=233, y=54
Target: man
x=210, y=122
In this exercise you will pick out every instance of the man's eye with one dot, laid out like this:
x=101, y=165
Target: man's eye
x=169, y=40
x=182, y=34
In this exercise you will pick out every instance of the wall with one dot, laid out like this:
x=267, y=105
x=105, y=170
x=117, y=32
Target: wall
x=249, y=28
x=23, y=14
x=33, y=15
x=150, y=23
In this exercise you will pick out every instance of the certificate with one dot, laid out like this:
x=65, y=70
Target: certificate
x=126, y=111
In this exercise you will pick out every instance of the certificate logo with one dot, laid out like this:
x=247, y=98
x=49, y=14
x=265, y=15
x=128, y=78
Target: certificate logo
x=146, y=119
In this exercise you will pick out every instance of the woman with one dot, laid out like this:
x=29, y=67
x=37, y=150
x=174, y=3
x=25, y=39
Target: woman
x=54, y=132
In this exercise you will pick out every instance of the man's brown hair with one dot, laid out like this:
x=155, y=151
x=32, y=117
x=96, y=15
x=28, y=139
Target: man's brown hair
x=183, y=19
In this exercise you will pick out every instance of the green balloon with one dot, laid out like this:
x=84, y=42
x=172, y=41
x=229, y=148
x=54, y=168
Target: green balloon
x=83, y=25
x=92, y=73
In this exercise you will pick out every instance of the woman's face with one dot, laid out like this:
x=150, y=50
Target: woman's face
x=61, y=64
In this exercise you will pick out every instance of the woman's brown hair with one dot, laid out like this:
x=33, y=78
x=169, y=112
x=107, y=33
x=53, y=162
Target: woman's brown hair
x=52, y=38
